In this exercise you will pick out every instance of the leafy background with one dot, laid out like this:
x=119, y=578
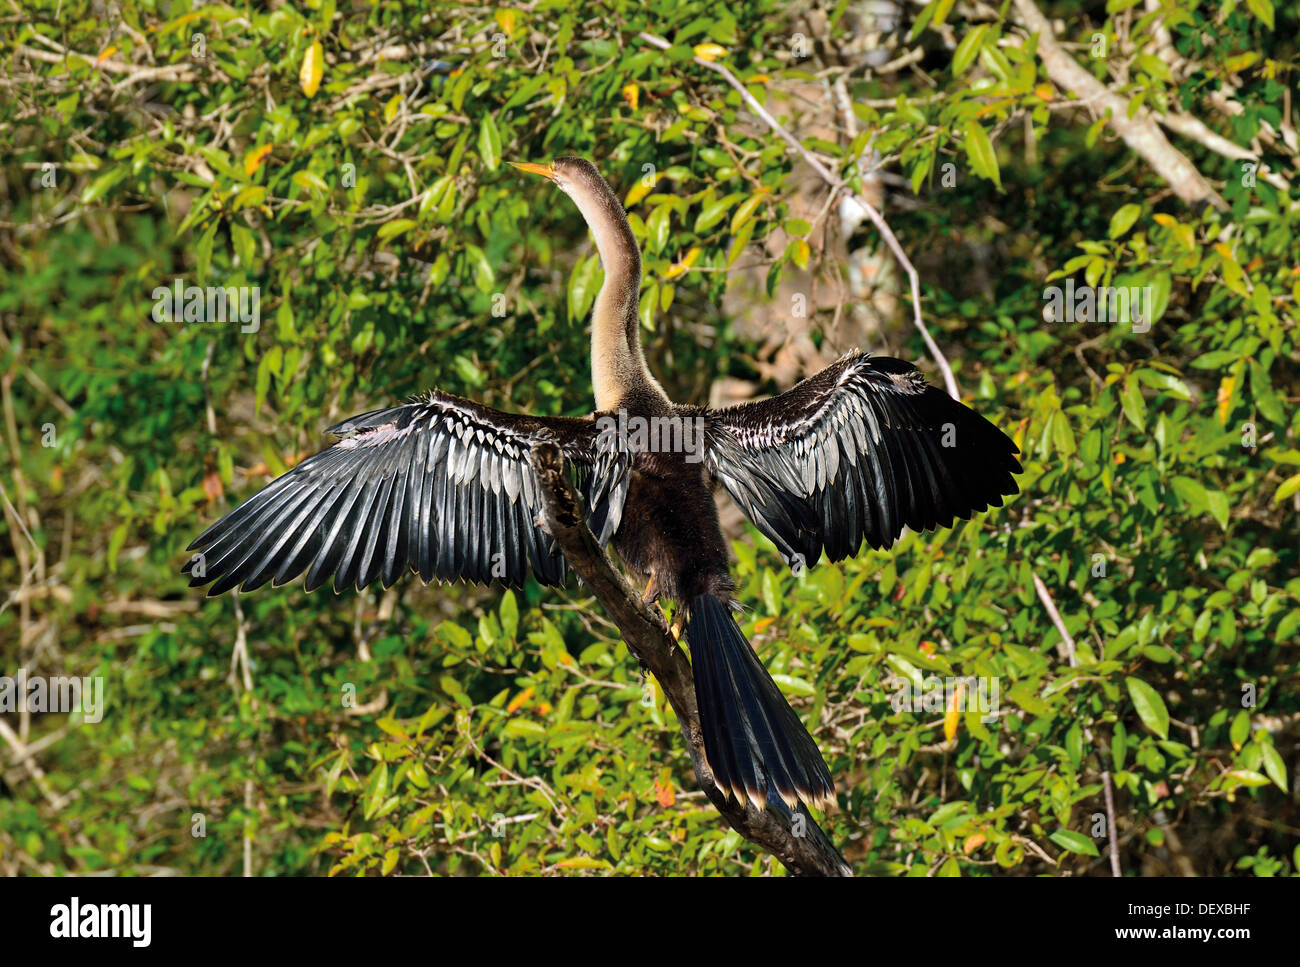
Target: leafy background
x=347, y=159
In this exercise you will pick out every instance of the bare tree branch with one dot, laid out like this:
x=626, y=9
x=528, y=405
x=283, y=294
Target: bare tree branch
x=1140, y=132
x=809, y=854
x=1193, y=128
x=838, y=187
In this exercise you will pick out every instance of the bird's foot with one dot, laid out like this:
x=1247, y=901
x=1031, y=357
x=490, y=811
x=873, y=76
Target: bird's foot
x=651, y=592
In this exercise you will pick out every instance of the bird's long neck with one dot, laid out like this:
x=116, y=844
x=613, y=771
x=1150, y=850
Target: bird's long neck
x=618, y=367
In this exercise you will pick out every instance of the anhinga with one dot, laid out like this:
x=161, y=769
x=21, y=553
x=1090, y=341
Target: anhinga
x=443, y=486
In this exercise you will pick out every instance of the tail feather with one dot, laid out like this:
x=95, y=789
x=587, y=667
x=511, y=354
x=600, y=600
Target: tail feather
x=753, y=739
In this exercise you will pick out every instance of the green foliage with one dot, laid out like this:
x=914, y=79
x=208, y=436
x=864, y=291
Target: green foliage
x=349, y=163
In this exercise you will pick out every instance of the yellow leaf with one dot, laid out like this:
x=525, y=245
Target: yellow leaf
x=680, y=268
x=1224, y=397
x=313, y=68
x=506, y=18
x=583, y=863
x=1168, y=221
x=253, y=160
x=710, y=51
x=106, y=54
x=632, y=94
x=762, y=624
x=392, y=107
x=1044, y=92
x=642, y=188
x=393, y=728
x=759, y=79
x=800, y=251
x=1019, y=436
x=973, y=842
x=1289, y=486
x=519, y=700
x=952, y=717
x=310, y=181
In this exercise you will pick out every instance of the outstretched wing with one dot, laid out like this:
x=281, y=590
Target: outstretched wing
x=441, y=485
x=857, y=452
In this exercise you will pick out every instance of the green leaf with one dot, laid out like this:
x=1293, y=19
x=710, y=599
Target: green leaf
x=1150, y=706
x=1274, y=766
x=1123, y=219
x=376, y=789
x=489, y=142
x=100, y=186
x=1191, y=493
x=980, y=153
x=454, y=635
x=656, y=228
x=509, y=613
x=1288, y=626
x=1217, y=503
x=922, y=171
x=395, y=227
x=391, y=856
x=1135, y=407
x=1289, y=486
x=746, y=210
x=968, y=50
x=1215, y=360
x=1073, y=842
x=262, y=382
x=1062, y=434
x=1262, y=9
x=1239, y=732
x=115, y=542
x=714, y=212
x=582, y=286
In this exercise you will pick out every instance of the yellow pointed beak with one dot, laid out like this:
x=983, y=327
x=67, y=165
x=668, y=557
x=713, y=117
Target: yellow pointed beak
x=547, y=171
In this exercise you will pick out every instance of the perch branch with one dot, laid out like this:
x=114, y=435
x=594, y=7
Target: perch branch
x=810, y=854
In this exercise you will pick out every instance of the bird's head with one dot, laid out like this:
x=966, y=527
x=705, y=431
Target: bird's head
x=567, y=174
x=600, y=208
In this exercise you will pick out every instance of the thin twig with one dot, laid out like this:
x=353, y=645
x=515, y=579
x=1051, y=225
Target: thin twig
x=1110, y=824
x=1055, y=615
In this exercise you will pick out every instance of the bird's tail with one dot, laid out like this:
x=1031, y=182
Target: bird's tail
x=753, y=740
